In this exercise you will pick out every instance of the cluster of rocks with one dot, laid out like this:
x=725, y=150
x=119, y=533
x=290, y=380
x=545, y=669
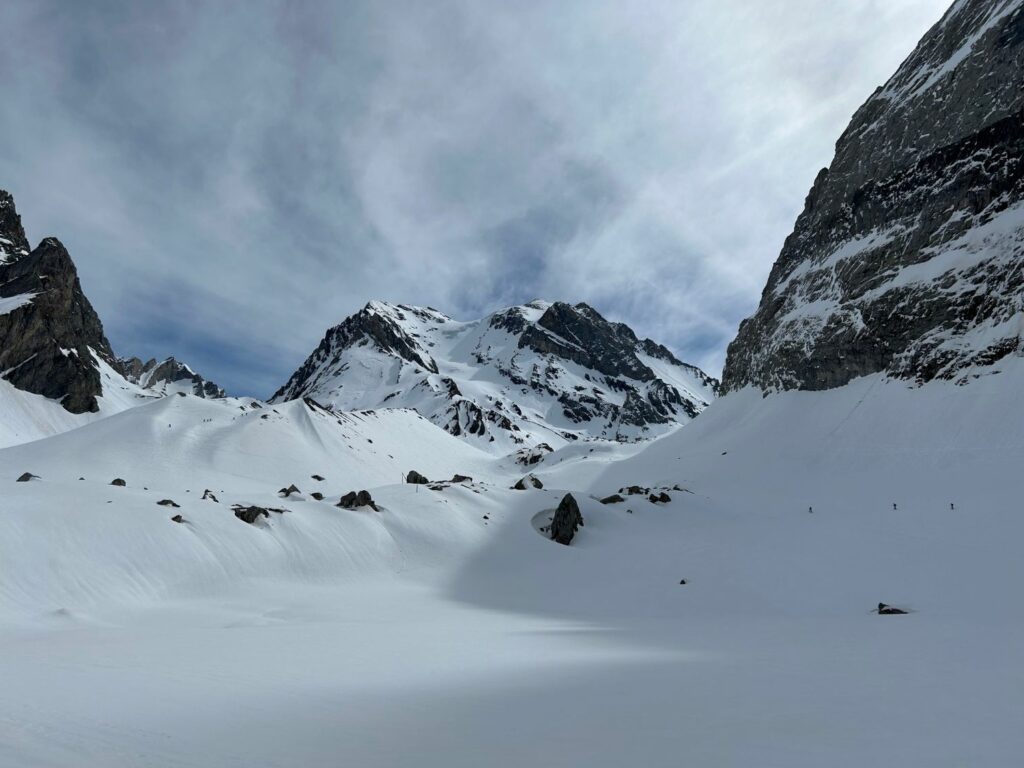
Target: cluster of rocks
x=654, y=495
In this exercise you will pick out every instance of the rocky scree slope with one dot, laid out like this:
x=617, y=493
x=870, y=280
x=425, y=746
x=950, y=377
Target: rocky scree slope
x=908, y=257
x=530, y=374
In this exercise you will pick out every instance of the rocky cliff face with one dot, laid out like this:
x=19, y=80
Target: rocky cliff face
x=909, y=255
x=49, y=331
x=51, y=339
x=522, y=376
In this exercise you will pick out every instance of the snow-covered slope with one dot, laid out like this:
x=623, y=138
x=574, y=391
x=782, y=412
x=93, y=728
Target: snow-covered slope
x=444, y=624
x=537, y=373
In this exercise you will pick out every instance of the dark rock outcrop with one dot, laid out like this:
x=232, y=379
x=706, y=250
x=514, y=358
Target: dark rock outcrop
x=567, y=520
x=119, y=482
x=286, y=492
x=26, y=477
x=208, y=496
x=908, y=257
x=416, y=478
x=168, y=503
x=889, y=610
x=461, y=479
x=356, y=499
x=249, y=514
x=49, y=332
x=613, y=499
x=530, y=481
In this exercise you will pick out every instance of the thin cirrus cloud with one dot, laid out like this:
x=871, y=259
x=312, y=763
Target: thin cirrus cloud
x=233, y=178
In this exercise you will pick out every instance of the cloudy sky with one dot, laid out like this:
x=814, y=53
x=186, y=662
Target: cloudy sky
x=233, y=178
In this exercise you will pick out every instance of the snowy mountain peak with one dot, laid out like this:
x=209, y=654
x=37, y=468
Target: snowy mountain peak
x=538, y=372
x=167, y=377
x=13, y=243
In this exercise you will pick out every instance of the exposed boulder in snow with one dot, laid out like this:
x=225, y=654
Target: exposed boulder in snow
x=416, y=478
x=907, y=256
x=529, y=481
x=208, y=496
x=659, y=498
x=889, y=610
x=286, y=492
x=119, y=482
x=527, y=375
x=177, y=519
x=356, y=499
x=26, y=477
x=461, y=479
x=532, y=455
x=249, y=514
x=613, y=499
x=567, y=520
x=316, y=495
x=168, y=503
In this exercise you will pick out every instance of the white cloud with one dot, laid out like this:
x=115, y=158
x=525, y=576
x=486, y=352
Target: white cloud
x=231, y=182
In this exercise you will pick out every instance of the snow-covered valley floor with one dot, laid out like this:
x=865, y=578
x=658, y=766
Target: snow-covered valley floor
x=444, y=630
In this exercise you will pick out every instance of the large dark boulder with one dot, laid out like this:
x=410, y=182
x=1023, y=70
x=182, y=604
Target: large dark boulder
x=26, y=477
x=567, y=520
x=356, y=499
x=249, y=514
x=530, y=481
x=416, y=478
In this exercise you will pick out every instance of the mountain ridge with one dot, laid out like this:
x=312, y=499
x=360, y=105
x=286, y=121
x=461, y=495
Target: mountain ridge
x=523, y=375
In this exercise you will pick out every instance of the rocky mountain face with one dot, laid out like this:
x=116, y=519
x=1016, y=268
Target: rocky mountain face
x=51, y=339
x=49, y=332
x=908, y=257
x=167, y=377
x=531, y=374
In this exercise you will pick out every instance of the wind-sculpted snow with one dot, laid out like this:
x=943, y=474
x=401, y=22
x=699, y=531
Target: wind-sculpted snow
x=443, y=624
x=536, y=373
x=909, y=255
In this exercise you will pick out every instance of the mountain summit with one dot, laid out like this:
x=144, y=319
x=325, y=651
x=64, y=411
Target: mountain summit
x=536, y=373
x=909, y=255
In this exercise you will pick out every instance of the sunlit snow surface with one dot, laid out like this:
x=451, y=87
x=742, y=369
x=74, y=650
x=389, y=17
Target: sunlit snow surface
x=444, y=631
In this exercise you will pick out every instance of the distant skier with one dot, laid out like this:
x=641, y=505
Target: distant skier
x=894, y=506
x=810, y=510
